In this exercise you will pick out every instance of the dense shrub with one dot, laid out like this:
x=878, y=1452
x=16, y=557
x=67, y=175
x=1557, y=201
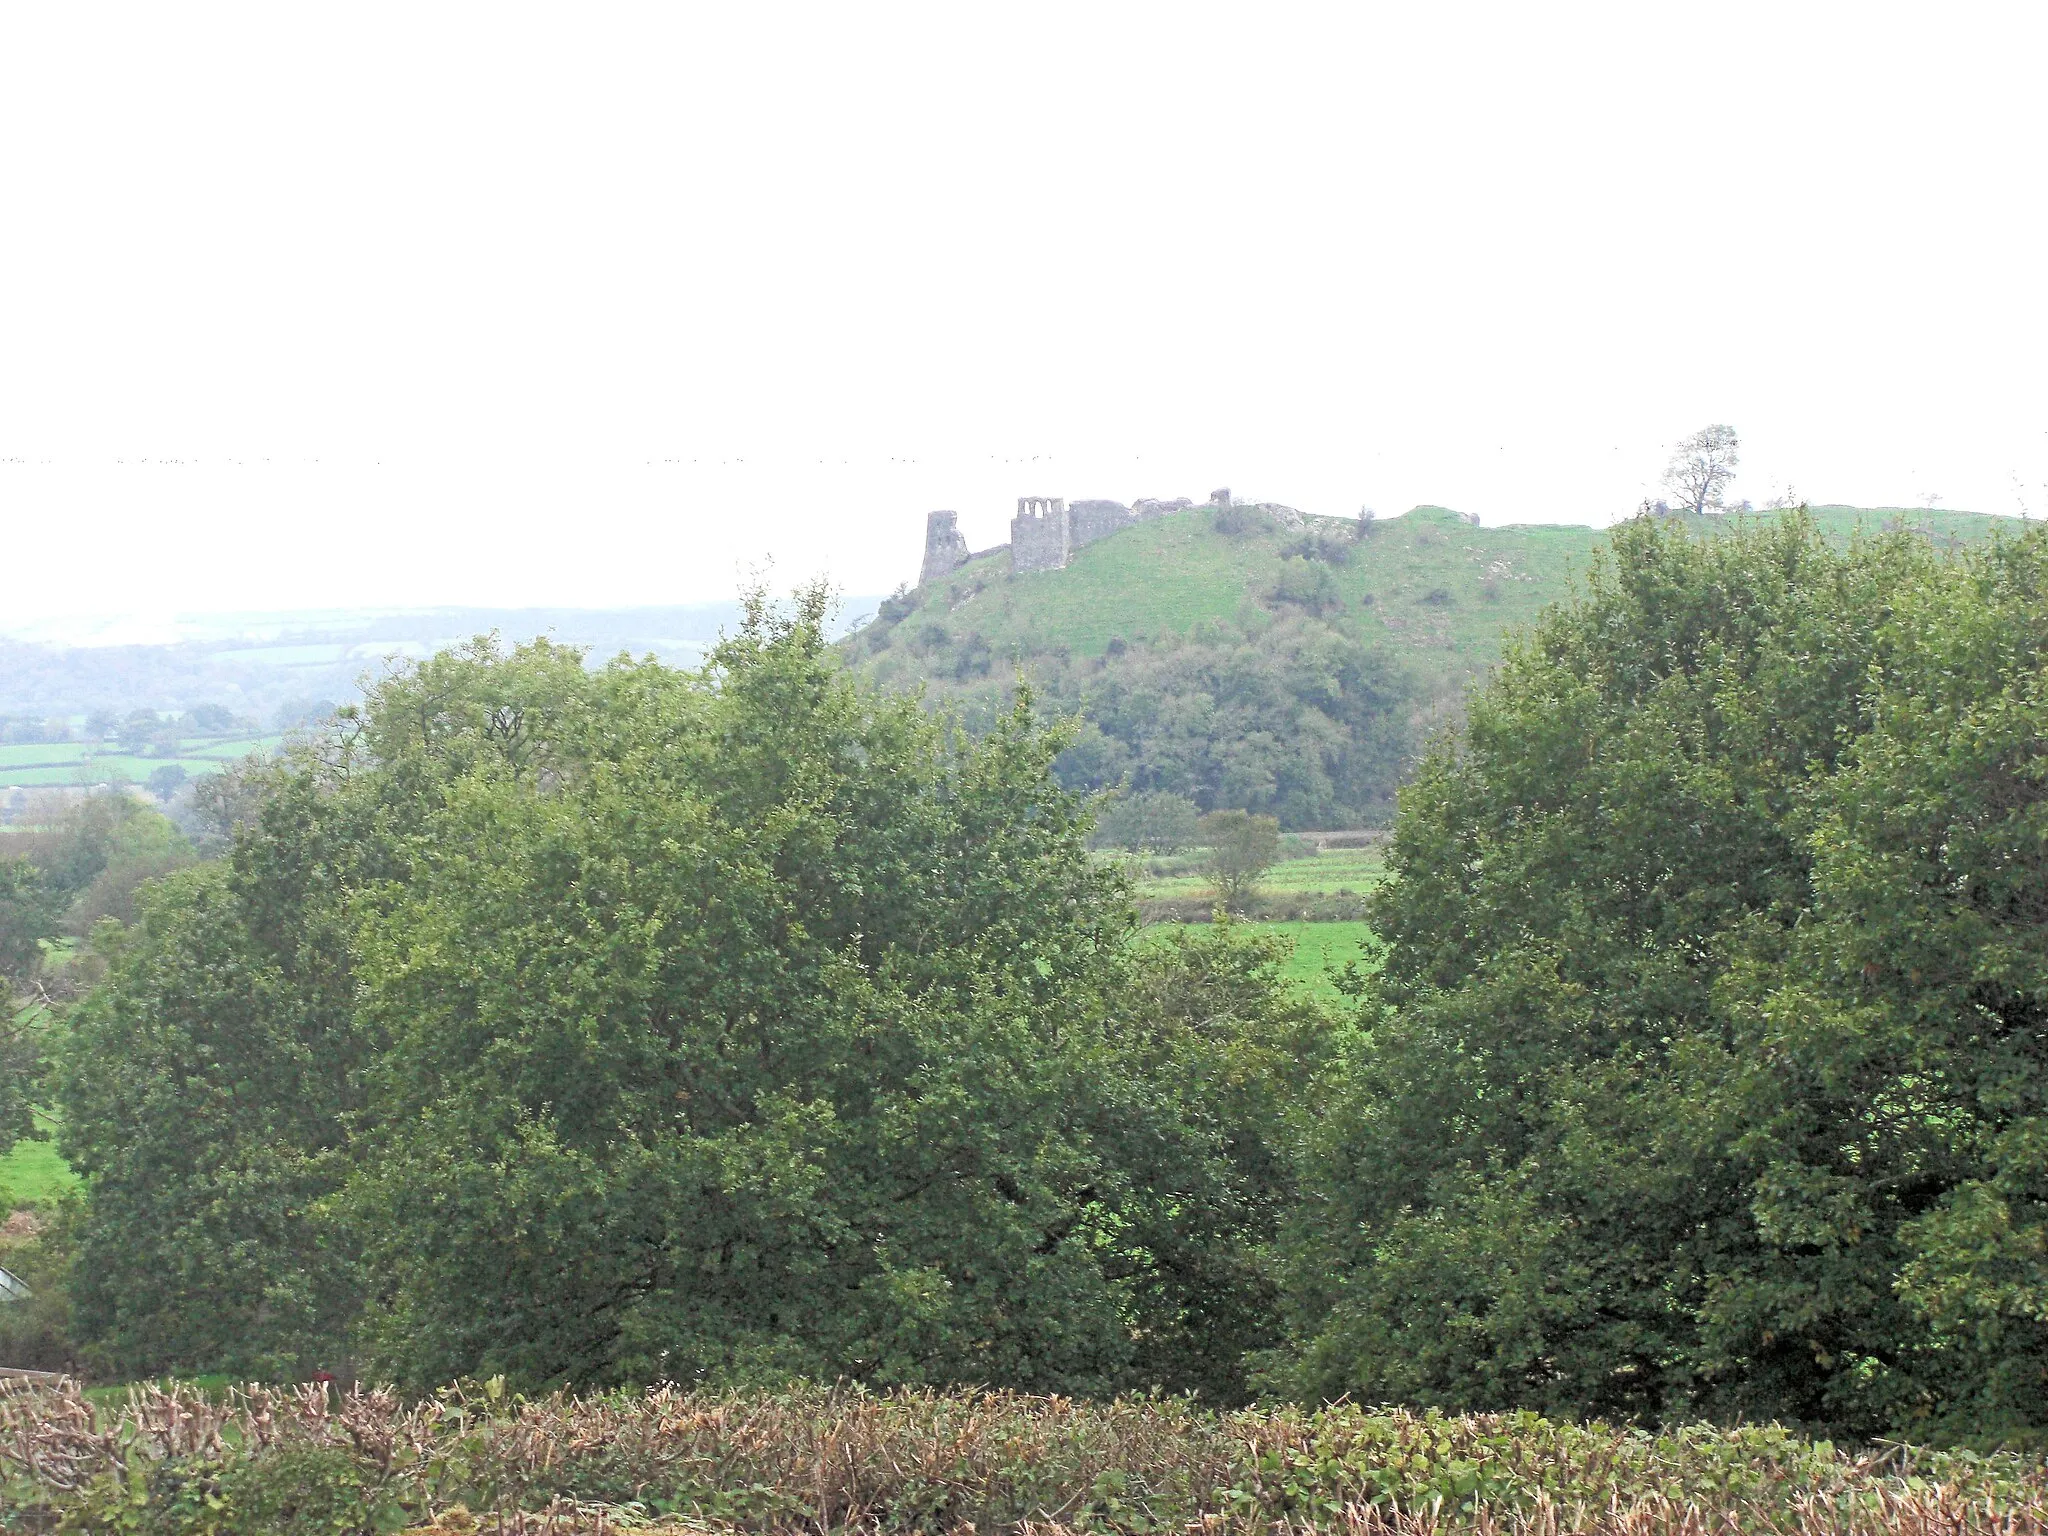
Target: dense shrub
x=1306, y=584
x=38, y=1246
x=1243, y=520
x=1322, y=544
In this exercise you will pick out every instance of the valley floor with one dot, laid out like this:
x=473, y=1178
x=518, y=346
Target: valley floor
x=1316, y=903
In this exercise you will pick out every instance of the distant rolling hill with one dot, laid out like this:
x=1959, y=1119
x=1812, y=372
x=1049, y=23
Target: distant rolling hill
x=1240, y=661
x=269, y=671
x=257, y=663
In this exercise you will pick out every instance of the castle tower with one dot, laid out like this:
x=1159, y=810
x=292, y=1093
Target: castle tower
x=1041, y=535
x=945, y=551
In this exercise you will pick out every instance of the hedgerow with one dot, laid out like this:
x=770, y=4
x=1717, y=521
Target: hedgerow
x=293, y=1462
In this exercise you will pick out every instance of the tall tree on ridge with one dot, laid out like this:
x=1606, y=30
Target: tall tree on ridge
x=1702, y=466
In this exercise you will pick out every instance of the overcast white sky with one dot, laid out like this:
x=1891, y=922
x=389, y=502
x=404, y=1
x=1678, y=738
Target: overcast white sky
x=600, y=304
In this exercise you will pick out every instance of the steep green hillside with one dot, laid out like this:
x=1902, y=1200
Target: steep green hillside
x=1428, y=584
x=1222, y=655
x=1426, y=581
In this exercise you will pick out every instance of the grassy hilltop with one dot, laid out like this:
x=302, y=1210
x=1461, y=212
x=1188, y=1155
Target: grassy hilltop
x=1428, y=582
x=1219, y=655
x=1429, y=586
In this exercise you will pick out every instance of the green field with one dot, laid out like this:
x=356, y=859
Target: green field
x=1321, y=950
x=39, y=766
x=33, y=1171
x=1340, y=872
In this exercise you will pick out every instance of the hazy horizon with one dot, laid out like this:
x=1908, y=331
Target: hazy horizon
x=406, y=308
x=162, y=626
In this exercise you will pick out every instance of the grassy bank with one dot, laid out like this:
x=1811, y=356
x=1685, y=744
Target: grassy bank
x=33, y=1171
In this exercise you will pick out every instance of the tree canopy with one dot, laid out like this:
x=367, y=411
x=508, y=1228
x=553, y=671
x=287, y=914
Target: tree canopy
x=594, y=1026
x=1296, y=720
x=1706, y=1062
x=632, y=1024
x=76, y=860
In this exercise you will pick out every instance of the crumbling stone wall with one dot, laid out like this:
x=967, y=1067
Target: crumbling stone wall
x=1092, y=520
x=1041, y=535
x=1045, y=532
x=945, y=550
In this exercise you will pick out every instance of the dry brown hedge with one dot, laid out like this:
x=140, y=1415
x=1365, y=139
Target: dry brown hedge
x=174, y=1462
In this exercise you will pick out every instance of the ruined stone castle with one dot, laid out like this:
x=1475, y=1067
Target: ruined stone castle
x=1046, y=531
x=944, y=549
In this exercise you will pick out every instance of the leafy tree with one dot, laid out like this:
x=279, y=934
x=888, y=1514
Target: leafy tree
x=296, y=714
x=115, y=890
x=1535, y=1187
x=1242, y=848
x=1153, y=820
x=1215, y=1059
x=1701, y=467
x=35, y=1333
x=206, y=1093
x=22, y=1063
x=28, y=728
x=165, y=782
x=99, y=851
x=139, y=730
x=604, y=1026
x=29, y=912
x=68, y=875
x=224, y=801
x=1294, y=721
x=72, y=840
x=747, y=1014
x=1894, y=1087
